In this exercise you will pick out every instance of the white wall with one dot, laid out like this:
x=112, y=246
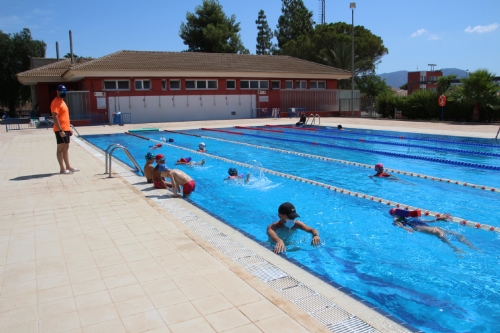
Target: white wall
x=150, y=109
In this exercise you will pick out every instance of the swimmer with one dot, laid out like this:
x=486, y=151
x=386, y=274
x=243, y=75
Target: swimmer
x=379, y=169
x=163, y=139
x=340, y=128
x=148, y=167
x=156, y=146
x=411, y=224
x=187, y=161
x=201, y=147
x=287, y=215
x=158, y=181
x=178, y=179
x=233, y=175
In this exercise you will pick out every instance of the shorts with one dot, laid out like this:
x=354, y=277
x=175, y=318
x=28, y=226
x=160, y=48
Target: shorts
x=159, y=184
x=189, y=187
x=60, y=139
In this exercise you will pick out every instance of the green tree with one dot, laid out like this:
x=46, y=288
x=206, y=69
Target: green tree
x=68, y=56
x=480, y=90
x=264, y=35
x=404, y=86
x=210, y=30
x=295, y=20
x=16, y=52
x=444, y=83
x=330, y=44
x=371, y=85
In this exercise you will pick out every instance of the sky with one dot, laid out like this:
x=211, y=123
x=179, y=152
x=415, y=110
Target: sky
x=462, y=34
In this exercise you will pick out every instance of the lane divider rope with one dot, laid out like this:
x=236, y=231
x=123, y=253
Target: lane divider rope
x=454, y=150
x=334, y=188
x=351, y=132
x=363, y=165
x=416, y=157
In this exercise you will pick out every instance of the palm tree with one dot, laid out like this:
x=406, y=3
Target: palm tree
x=339, y=56
x=480, y=90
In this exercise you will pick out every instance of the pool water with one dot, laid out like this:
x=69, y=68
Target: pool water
x=414, y=277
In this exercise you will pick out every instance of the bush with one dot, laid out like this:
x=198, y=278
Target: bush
x=386, y=102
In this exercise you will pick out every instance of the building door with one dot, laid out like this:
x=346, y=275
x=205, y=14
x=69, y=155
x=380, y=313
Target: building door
x=111, y=108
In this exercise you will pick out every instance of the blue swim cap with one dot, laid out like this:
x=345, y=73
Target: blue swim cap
x=162, y=167
x=149, y=156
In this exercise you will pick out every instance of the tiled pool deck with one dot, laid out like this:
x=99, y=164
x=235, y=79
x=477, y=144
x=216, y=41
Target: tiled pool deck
x=87, y=253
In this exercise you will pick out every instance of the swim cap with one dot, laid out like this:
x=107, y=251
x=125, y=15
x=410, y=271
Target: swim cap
x=201, y=145
x=392, y=211
x=232, y=172
x=170, y=140
x=149, y=156
x=379, y=166
x=339, y=126
x=159, y=157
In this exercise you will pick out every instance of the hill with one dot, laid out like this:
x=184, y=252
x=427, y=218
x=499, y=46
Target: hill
x=397, y=79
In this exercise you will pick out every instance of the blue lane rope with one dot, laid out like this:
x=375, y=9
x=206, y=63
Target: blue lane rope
x=350, y=132
x=471, y=152
x=360, y=195
x=363, y=165
x=432, y=159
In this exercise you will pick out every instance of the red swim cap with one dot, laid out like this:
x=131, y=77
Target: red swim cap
x=392, y=211
x=379, y=165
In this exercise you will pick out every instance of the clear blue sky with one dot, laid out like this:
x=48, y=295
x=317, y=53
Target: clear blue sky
x=450, y=33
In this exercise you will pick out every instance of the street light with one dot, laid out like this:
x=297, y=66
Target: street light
x=466, y=73
x=352, y=6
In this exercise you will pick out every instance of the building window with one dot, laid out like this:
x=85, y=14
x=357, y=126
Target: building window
x=276, y=84
x=433, y=89
x=254, y=84
x=289, y=84
x=318, y=85
x=201, y=84
x=117, y=85
x=230, y=84
x=175, y=84
x=163, y=84
x=142, y=85
x=300, y=84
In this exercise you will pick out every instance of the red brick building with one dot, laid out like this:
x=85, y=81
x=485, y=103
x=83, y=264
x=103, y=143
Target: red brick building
x=423, y=80
x=181, y=86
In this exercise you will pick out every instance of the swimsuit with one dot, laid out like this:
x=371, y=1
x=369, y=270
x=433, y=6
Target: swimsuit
x=414, y=223
x=382, y=175
x=159, y=184
x=188, y=187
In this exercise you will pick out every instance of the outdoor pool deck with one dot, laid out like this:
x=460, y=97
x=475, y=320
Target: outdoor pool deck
x=88, y=253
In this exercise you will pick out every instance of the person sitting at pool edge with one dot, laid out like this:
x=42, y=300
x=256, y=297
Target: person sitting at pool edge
x=178, y=179
x=287, y=215
x=233, y=175
x=148, y=167
x=201, y=147
x=302, y=119
x=411, y=224
x=187, y=161
x=158, y=181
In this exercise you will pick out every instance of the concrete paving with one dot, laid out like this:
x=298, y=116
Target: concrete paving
x=87, y=253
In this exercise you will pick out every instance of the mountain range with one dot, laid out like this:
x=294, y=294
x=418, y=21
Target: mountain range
x=397, y=79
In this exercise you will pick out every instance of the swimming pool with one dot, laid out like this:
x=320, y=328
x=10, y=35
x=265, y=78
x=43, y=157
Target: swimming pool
x=414, y=277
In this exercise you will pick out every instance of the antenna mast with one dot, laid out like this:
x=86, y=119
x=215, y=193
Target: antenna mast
x=322, y=11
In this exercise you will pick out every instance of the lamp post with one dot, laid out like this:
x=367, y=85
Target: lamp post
x=466, y=73
x=352, y=6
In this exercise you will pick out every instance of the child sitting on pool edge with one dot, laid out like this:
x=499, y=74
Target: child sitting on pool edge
x=233, y=175
x=148, y=167
x=158, y=181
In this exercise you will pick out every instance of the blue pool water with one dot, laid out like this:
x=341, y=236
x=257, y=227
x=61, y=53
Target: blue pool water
x=414, y=277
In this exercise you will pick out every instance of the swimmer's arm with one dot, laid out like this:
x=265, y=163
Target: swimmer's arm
x=271, y=232
x=248, y=177
x=174, y=185
x=301, y=225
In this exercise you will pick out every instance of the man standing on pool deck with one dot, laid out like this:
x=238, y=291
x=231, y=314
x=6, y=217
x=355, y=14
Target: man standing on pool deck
x=62, y=130
x=287, y=215
x=178, y=178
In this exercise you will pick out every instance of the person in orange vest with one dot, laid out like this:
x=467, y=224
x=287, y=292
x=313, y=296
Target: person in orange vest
x=62, y=130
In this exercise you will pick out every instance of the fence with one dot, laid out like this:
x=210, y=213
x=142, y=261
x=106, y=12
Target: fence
x=336, y=102
x=88, y=120
x=121, y=118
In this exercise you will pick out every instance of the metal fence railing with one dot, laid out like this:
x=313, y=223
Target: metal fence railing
x=120, y=118
x=88, y=120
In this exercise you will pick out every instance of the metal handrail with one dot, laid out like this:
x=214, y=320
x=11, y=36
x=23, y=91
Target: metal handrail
x=73, y=127
x=109, y=154
x=319, y=119
x=497, y=133
x=313, y=121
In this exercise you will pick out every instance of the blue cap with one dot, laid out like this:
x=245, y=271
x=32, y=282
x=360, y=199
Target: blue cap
x=150, y=156
x=61, y=88
x=162, y=167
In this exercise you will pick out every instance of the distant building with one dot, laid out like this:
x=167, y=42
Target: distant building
x=426, y=80
x=399, y=92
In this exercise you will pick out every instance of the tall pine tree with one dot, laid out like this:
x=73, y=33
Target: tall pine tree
x=296, y=20
x=264, y=35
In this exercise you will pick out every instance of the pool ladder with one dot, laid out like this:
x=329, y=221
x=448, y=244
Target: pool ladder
x=109, y=153
x=73, y=127
x=313, y=121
